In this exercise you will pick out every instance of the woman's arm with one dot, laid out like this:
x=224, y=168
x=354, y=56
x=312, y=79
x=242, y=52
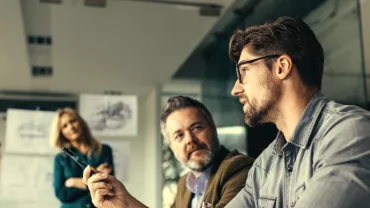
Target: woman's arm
x=75, y=183
x=62, y=192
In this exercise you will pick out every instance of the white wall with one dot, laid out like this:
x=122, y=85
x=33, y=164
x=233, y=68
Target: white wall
x=144, y=179
x=153, y=174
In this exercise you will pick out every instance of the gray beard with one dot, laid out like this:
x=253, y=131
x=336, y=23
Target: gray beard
x=207, y=160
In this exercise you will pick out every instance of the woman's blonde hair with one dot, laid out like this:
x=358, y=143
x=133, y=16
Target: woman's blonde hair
x=57, y=140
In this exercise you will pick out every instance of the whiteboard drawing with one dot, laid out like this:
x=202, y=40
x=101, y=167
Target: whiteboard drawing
x=27, y=131
x=110, y=115
x=27, y=178
x=32, y=130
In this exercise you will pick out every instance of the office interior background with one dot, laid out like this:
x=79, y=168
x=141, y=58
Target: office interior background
x=51, y=51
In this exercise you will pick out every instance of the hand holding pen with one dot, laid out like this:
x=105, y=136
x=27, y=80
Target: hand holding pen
x=105, y=190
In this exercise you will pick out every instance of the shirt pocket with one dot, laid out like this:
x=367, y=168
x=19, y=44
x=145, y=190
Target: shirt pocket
x=299, y=191
x=266, y=202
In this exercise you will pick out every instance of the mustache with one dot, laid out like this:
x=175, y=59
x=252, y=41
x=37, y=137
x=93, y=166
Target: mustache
x=194, y=147
x=244, y=98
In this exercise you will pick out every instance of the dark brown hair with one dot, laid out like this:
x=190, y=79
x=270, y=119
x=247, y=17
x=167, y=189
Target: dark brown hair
x=285, y=35
x=181, y=102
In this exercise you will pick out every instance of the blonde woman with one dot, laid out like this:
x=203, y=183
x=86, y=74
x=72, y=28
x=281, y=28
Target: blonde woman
x=71, y=131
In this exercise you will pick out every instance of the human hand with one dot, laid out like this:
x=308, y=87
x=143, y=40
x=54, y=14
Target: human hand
x=75, y=182
x=70, y=182
x=104, y=168
x=105, y=190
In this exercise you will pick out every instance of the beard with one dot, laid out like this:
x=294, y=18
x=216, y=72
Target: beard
x=255, y=115
x=199, y=162
x=263, y=112
x=202, y=164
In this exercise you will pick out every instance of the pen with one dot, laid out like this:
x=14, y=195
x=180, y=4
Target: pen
x=76, y=159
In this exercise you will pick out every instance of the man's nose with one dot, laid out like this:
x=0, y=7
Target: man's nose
x=190, y=138
x=237, y=89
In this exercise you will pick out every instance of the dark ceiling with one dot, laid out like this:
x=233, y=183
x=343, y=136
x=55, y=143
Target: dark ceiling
x=255, y=12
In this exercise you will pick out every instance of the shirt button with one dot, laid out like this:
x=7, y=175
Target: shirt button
x=290, y=168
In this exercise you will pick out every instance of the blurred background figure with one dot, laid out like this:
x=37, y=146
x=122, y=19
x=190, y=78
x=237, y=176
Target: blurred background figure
x=71, y=131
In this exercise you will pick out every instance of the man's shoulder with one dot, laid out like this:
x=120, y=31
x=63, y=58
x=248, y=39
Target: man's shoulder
x=340, y=118
x=235, y=162
x=345, y=112
x=236, y=159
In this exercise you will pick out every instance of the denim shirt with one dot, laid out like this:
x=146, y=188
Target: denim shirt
x=325, y=164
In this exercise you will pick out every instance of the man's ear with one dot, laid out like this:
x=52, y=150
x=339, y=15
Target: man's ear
x=284, y=67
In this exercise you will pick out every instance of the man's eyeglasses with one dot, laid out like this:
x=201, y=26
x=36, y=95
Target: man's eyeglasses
x=238, y=74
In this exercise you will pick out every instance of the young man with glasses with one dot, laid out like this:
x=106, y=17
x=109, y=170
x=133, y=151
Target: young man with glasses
x=321, y=155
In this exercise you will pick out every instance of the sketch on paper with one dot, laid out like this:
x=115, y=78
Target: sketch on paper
x=32, y=130
x=110, y=115
x=27, y=131
x=33, y=183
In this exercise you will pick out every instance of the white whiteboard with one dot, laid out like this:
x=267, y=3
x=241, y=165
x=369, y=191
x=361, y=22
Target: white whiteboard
x=27, y=178
x=28, y=131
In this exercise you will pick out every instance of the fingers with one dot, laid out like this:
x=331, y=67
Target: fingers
x=98, y=197
x=87, y=173
x=106, y=170
x=101, y=185
x=104, y=181
x=98, y=177
x=105, y=164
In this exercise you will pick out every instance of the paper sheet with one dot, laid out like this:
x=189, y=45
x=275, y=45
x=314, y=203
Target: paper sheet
x=110, y=115
x=121, y=158
x=28, y=131
x=25, y=177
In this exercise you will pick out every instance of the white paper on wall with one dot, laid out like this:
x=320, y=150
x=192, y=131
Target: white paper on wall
x=28, y=131
x=26, y=177
x=121, y=158
x=110, y=115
